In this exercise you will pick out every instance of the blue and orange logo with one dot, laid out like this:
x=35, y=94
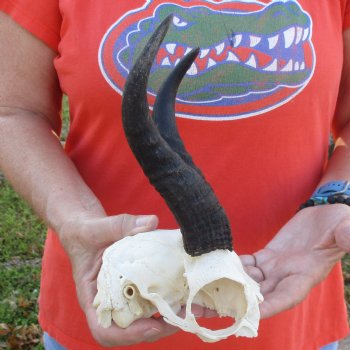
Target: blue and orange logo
x=254, y=57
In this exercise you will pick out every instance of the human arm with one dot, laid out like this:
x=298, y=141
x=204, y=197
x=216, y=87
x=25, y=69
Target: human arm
x=33, y=160
x=304, y=251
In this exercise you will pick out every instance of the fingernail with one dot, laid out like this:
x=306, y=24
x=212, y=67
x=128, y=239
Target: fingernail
x=153, y=332
x=143, y=221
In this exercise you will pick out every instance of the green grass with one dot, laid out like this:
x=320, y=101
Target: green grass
x=65, y=118
x=21, y=240
x=22, y=236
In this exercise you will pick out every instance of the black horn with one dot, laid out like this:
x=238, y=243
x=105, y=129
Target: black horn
x=164, y=108
x=160, y=151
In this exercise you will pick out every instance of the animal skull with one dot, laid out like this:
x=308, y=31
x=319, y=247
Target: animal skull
x=151, y=272
x=160, y=271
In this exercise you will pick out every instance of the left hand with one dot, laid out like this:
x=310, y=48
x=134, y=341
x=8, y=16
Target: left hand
x=300, y=256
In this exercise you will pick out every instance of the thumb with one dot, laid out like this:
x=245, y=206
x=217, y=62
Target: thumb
x=113, y=228
x=342, y=236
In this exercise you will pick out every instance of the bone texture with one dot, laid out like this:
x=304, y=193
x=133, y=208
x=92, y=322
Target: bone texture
x=162, y=277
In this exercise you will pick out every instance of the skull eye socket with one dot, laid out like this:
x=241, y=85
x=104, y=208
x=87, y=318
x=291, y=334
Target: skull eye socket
x=129, y=292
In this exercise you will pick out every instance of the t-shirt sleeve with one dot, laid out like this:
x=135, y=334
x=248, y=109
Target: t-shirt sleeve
x=346, y=22
x=42, y=18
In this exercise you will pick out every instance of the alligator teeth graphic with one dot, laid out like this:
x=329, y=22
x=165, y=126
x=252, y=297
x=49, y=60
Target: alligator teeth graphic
x=204, y=53
x=306, y=34
x=188, y=49
x=279, y=52
x=251, y=61
x=254, y=56
x=271, y=67
x=211, y=63
x=288, y=67
x=268, y=52
x=171, y=48
x=237, y=40
x=224, y=52
x=220, y=48
x=299, y=35
x=289, y=36
x=166, y=62
x=232, y=57
x=273, y=40
x=254, y=40
x=193, y=69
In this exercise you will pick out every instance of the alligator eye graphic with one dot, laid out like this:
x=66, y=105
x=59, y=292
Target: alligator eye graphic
x=179, y=22
x=253, y=58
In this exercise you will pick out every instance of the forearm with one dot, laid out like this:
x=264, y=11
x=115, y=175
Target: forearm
x=338, y=167
x=339, y=164
x=33, y=160
x=31, y=156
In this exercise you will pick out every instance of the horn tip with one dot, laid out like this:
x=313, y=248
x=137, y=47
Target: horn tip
x=167, y=21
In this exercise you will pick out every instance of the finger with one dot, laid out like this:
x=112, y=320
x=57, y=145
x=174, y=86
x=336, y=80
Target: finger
x=151, y=332
x=269, y=284
x=198, y=312
x=166, y=331
x=143, y=330
x=248, y=260
x=255, y=273
x=128, y=225
x=342, y=236
x=86, y=292
x=112, y=228
x=287, y=294
x=143, y=223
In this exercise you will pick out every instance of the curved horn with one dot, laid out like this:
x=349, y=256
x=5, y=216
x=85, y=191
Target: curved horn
x=203, y=222
x=164, y=108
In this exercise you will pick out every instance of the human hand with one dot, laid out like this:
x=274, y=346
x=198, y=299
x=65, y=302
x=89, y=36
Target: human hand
x=300, y=256
x=85, y=240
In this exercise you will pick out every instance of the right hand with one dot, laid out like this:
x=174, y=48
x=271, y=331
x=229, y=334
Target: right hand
x=300, y=256
x=85, y=240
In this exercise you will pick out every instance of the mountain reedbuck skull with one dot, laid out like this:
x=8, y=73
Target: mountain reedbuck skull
x=162, y=270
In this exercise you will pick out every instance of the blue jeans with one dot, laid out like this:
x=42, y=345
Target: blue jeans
x=51, y=344
x=331, y=346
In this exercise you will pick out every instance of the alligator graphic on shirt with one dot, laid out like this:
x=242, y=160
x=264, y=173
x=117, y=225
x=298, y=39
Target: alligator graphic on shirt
x=243, y=54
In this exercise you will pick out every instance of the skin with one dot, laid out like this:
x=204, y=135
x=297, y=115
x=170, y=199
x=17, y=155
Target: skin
x=49, y=181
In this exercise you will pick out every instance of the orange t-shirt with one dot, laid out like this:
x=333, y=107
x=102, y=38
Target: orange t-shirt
x=255, y=113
